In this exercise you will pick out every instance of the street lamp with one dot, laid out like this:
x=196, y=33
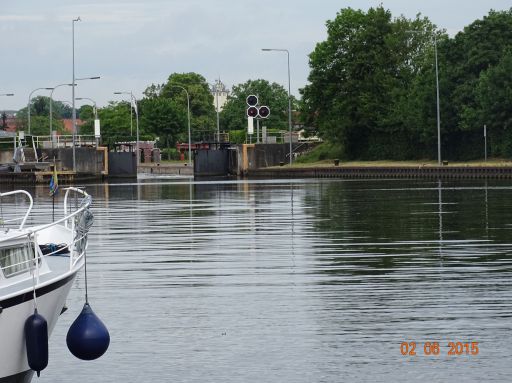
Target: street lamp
x=28, y=105
x=73, y=111
x=93, y=103
x=51, y=97
x=289, y=96
x=437, y=97
x=438, y=111
x=51, y=108
x=133, y=101
x=188, y=114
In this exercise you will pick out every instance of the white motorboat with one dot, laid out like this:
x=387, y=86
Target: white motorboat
x=37, y=267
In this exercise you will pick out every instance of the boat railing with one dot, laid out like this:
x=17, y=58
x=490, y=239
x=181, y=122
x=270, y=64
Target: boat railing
x=27, y=213
x=72, y=220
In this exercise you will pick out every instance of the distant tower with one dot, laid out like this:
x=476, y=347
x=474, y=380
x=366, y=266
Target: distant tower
x=220, y=95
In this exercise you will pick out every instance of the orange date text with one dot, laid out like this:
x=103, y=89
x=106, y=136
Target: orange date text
x=433, y=348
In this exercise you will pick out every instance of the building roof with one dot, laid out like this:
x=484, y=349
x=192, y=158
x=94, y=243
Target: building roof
x=68, y=124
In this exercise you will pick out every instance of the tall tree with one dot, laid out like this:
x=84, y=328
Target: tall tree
x=494, y=100
x=479, y=82
x=40, y=116
x=162, y=117
x=202, y=110
x=359, y=82
x=115, y=122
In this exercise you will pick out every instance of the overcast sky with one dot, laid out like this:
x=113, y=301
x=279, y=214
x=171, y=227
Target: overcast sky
x=133, y=43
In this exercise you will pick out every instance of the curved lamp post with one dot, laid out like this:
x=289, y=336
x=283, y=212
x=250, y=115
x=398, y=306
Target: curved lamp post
x=188, y=114
x=93, y=103
x=438, y=111
x=133, y=101
x=28, y=105
x=51, y=109
x=73, y=111
x=289, y=97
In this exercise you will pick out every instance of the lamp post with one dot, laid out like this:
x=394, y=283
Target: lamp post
x=133, y=101
x=289, y=96
x=28, y=105
x=437, y=97
x=188, y=115
x=95, y=111
x=51, y=108
x=438, y=111
x=73, y=111
x=55, y=87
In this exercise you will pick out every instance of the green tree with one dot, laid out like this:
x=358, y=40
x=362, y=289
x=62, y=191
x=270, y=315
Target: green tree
x=86, y=113
x=418, y=102
x=479, y=82
x=162, y=117
x=115, y=122
x=234, y=113
x=494, y=100
x=361, y=81
x=40, y=116
x=202, y=110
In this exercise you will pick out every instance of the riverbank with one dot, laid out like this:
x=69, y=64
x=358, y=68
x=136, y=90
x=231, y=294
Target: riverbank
x=497, y=169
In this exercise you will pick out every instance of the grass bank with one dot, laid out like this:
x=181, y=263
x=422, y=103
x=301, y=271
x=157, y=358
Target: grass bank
x=386, y=163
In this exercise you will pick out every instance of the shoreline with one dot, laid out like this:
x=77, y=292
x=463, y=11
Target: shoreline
x=389, y=171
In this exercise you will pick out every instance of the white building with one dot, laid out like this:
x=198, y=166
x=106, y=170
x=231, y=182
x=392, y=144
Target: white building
x=220, y=95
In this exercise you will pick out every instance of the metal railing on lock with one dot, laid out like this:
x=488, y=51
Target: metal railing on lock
x=63, y=141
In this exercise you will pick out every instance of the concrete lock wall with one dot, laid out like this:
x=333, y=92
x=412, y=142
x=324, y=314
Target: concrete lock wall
x=211, y=162
x=122, y=164
x=255, y=156
x=87, y=160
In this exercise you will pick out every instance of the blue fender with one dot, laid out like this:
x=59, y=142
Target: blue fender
x=88, y=338
x=36, y=340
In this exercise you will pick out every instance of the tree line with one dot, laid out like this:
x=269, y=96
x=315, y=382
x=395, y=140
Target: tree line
x=371, y=93
x=163, y=112
x=372, y=87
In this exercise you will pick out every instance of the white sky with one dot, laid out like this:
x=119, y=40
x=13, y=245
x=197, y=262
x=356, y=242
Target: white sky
x=134, y=43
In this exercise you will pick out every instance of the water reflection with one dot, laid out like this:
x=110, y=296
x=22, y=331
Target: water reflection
x=295, y=280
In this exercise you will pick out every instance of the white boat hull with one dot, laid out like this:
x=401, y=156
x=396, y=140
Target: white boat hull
x=13, y=354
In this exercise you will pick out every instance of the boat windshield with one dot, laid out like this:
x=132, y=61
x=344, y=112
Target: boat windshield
x=16, y=259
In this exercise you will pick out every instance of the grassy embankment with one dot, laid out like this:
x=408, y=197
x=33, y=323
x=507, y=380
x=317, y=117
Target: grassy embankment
x=324, y=154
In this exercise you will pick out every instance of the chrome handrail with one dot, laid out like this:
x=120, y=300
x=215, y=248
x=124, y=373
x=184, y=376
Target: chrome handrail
x=74, y=255
x=29, y=208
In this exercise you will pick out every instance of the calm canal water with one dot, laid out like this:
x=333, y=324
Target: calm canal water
x=295, y=281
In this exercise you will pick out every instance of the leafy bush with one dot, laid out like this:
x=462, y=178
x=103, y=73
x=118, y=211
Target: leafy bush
x=324, y=151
